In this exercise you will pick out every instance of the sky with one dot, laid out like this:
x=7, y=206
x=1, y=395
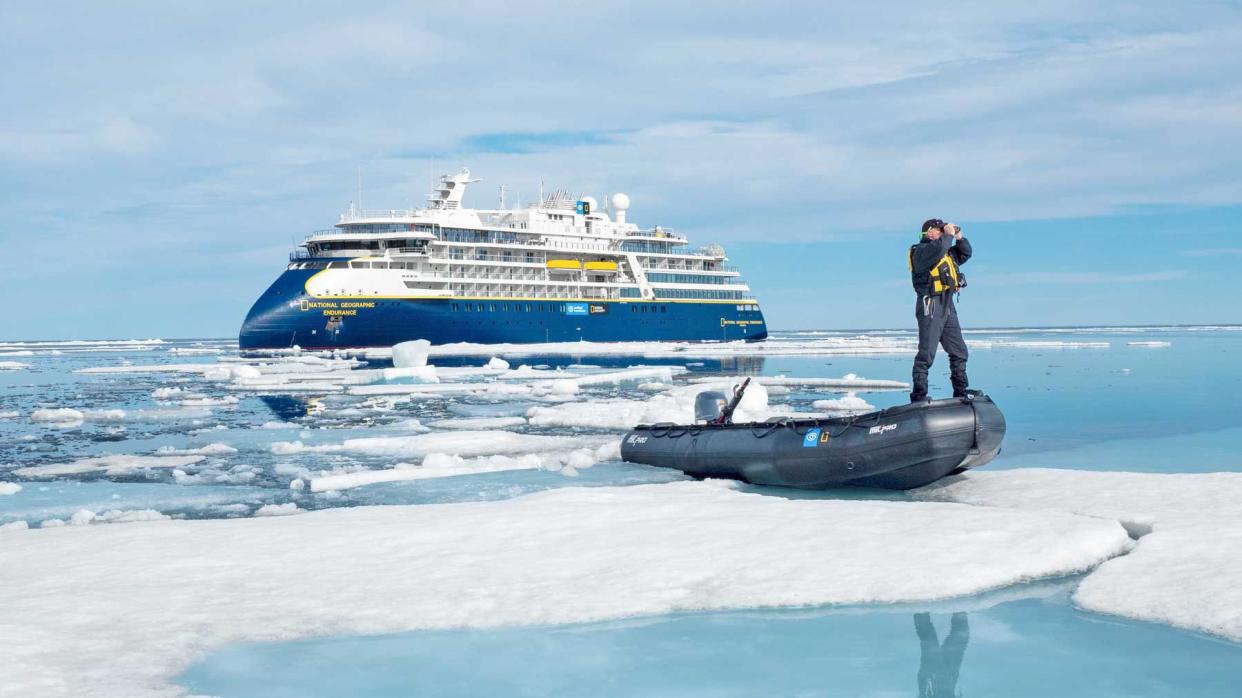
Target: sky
x=158, y=161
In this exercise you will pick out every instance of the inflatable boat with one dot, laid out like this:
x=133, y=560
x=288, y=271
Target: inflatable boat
x=896, y=448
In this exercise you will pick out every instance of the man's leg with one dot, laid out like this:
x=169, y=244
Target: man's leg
x=955, y=346
x=931, y=319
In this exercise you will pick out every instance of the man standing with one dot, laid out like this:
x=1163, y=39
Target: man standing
x=934, y=263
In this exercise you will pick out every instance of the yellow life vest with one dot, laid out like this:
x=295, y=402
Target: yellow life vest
x=944, y=276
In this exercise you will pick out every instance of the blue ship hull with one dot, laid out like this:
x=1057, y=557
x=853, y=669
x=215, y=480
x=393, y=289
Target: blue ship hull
x=286, y=316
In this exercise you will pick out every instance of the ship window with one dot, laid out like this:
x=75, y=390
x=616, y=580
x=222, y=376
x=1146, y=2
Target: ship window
x=644, y=308
x=454, y=307
x=479, y=307
x=491, y=307
x=467, y=307
x=528, y=307
x=379, y=265
x=360, y=265
x=664, y=308
x=339, y=265
x=633, y=309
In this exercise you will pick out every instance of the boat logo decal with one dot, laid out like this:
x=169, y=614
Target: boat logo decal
x=881, y=429
x=811, y=440
x=636, y=439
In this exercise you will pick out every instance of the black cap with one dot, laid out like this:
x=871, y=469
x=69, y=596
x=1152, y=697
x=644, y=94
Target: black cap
x=932, y=223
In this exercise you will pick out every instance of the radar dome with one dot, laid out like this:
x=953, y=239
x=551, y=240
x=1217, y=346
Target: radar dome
x=620, y=201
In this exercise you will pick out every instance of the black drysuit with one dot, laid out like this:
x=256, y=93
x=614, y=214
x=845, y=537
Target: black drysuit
x=937, y=316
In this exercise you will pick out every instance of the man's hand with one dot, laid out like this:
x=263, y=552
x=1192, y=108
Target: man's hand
x=953, y=230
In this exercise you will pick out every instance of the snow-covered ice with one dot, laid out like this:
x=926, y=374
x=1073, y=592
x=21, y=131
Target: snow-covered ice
x=12, y=366
x=478, y=423
x=567, y=555
x=1187, y=564
x=410, y=354
x=437, y=465
x=461, y=443
x=846, y=382
x=7, y=488
x=849, y=404
x=110, y=465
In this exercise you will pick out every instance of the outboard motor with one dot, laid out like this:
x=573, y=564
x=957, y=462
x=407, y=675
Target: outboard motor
x=708, y=406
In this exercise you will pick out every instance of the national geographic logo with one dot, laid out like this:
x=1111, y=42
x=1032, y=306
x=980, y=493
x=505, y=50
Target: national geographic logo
x=335, y=308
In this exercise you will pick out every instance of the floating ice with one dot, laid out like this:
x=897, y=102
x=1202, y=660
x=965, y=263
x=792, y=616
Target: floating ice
x=410, y=354
x=9, y=488
x=569, y=555
x=119, y=464
x=675, y=405
x=10, y=414
x=58, y=416
x=12, y=365
x=848, y=381
x=1185, y=569
x=478, y=423
x=286, y=509
x=1033, y=344
x=850, y=404
x=859, y=344
x=214, y=449
x=462, y=443
x=202, y=401
x=437, y=465
x=1149, y=344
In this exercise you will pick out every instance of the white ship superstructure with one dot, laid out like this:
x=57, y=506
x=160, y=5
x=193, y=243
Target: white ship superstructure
x=560, y=248
x=561, y=269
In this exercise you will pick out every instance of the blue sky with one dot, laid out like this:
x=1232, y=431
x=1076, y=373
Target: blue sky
x=158, y=161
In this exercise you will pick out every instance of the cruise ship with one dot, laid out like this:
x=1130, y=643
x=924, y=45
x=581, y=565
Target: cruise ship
x=562, y=269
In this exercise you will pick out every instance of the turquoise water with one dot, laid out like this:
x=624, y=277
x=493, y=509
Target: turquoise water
x=1121, y=407
x=1036, y=647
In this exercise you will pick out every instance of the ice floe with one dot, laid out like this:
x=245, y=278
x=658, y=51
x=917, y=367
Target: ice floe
x=7, y=488
x=438, y=465
x=58, y=416
x=1154, y=344
x=461, y=443
x=857, y=344
x=410, y=354
x=118, y=464
x=478, y=423
x=849, y=381
x=850, y=404
x=1185, y=569
x=569, y=555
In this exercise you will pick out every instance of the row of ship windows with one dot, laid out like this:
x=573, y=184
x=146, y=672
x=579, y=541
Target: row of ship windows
x=697, y=294
x=537, y=308
x=659, y=277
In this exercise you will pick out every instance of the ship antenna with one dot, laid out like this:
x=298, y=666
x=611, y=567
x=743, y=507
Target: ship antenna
x=502, y=197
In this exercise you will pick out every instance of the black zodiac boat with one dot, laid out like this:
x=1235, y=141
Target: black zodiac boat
x=896, y=448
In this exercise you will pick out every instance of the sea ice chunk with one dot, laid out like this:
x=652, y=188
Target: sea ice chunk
x=58, y=416
x=111, y=465
x=1185, y=569
x=850, y=404
x=9, y=488
x=562, y=556
x=410, y=354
